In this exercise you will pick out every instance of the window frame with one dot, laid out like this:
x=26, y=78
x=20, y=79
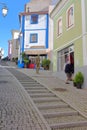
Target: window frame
x=31, y=40
x=59, y=26
x=32, y=20
x=69, y=17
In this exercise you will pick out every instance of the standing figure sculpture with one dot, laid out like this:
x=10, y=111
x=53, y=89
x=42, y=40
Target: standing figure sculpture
x=37, y=64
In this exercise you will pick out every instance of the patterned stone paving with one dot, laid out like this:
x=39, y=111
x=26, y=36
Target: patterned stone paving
x=17, y=111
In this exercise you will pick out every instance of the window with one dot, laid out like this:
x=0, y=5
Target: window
x=33, y=38
x=59, y=26
x=70, y=16
x=34, y=19
x=62, y=56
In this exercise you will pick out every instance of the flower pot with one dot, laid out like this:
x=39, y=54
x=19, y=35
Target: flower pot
x=74, y=84
x=79, y=85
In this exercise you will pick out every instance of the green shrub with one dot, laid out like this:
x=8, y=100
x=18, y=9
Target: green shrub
x=46, y=63
x=25, y=58
x=79, y=78
x=23, y=55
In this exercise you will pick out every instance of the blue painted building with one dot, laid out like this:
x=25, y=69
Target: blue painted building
x=34, y=27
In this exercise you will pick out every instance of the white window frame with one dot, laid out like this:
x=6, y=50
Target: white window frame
x=70, y=17
x=59, y=26
x=61, y=56
x=35, y=39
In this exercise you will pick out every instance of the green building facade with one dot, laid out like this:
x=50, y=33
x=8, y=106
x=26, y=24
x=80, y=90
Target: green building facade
x=70, y=34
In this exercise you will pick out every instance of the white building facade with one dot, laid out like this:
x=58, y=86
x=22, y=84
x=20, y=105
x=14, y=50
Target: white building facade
x=34, y=27
x=13, y=45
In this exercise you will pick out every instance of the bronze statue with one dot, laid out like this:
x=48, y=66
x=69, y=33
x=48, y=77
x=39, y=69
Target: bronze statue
x=37, y=64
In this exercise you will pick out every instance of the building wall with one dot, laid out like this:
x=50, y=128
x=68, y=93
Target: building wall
x=15, y=34
x=69, y=36
x=10, y=49
x=41, y=28
x=13, y=45
x=41, y=39
x=41, y=22
x=76, y=36
x=15, y=48
x=37, y=5
x=85, y=2
x=84, y=30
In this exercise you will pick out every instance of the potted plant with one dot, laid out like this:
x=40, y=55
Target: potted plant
x=25, y=59
x=78, y=80
x=46, y=64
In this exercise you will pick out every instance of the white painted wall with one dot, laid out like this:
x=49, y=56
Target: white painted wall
x=41, y=23
x=39, y=28
x=41, y=39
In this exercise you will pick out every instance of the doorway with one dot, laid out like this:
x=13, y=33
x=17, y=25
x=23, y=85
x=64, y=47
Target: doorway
x=62, y=57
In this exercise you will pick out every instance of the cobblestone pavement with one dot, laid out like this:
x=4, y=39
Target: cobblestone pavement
x=17, y=111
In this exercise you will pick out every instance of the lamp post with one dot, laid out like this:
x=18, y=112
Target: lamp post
x=4, y=13
x=4, y=9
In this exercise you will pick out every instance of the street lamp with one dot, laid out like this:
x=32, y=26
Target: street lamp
x=4, y=9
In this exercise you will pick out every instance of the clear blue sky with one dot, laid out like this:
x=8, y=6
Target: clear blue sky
x=11, y=21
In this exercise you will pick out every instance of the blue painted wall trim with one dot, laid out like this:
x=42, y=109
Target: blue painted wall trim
x=47, y=28
x=23, y=22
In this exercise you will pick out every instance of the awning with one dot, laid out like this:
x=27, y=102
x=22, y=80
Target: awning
x=36, y=52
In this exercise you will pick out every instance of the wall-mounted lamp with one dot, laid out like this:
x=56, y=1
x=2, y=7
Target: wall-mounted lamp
x=4, y=9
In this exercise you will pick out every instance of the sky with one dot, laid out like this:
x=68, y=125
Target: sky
x=10, y=22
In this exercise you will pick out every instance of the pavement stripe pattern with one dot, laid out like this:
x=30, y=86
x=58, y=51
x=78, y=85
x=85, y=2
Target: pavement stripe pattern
x=72, y=120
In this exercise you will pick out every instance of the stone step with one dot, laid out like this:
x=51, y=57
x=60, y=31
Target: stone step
x=74, y=128
x=52, y=106
x=60, y=102
x=44, y=99
x=42, y=95
x=28, y=81
x=68, y=125
x=32, y=85
x=65, y=119
x=55, y=114
x=38, y=91
x=35, y=88
x=51, y=110
x=22, y=78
